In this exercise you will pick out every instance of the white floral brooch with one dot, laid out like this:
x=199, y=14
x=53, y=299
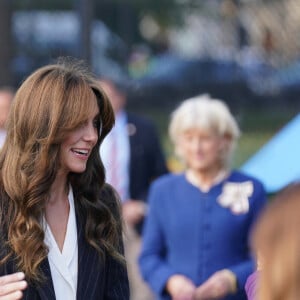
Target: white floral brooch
x=235, y=196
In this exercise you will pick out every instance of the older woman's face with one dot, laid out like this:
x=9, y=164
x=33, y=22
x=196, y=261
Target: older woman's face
x=200, y=149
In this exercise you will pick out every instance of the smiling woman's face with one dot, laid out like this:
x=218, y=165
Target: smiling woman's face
x=77, y=147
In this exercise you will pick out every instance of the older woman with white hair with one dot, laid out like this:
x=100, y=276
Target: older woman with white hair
x=195, y=239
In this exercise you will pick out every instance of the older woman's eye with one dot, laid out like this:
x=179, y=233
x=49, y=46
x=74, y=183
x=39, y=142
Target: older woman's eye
x=188, y=137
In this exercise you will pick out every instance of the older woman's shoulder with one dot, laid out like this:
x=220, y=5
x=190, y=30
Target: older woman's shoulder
x=169, y=179
x=239, y=176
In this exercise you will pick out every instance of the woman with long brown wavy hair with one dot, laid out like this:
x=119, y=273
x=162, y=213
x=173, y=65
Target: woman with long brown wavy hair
x=60, y=224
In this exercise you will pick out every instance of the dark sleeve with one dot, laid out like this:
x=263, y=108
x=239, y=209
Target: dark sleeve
x=3, y=267
x=6, y=267
x=117, y=285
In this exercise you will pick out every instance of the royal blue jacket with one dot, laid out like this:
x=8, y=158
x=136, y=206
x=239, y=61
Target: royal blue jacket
x=193, y=233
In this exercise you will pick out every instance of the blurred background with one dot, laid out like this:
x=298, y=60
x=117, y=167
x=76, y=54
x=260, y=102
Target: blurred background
x=244, y=52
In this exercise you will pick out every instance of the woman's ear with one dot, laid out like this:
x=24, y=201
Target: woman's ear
x=224, y=147
x=225, y=142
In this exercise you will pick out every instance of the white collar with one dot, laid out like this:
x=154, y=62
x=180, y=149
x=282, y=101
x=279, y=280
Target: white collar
x=64, y=264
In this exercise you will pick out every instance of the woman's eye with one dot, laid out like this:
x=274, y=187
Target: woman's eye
x=188, y=137
x=96, y=123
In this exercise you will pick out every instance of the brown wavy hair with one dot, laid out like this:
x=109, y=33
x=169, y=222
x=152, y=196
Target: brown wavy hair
x=276, y=239
x=49, y=104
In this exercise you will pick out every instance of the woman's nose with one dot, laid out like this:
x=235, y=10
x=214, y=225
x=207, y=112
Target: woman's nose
x=91, y=133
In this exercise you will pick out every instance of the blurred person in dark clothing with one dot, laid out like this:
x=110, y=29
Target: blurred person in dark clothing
x=133, y=157
x=138, y=156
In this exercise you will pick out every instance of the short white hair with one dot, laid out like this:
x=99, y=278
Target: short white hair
x=206, y=113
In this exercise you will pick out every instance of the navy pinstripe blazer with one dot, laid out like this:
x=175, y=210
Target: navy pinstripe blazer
x=96, y=280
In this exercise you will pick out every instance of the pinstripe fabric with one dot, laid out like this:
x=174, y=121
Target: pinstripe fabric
x=96, y=280
x=111, y=277
x=44, y=291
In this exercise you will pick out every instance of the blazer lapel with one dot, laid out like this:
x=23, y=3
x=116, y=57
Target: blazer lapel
x=46, y=289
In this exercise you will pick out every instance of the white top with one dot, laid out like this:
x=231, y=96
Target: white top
x=119, y=161
x=2, y=137
x=64, y=265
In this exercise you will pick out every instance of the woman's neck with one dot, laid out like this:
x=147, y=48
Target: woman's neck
x=57, y=210
x=206, y=179
x=59, y=190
